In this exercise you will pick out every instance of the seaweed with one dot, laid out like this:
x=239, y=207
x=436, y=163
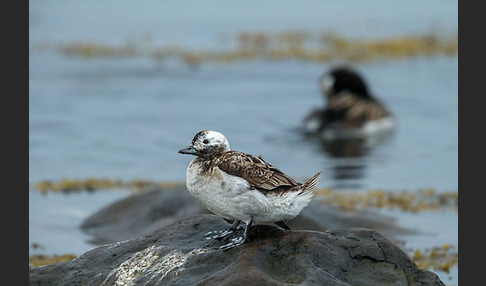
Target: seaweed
x=285, y=45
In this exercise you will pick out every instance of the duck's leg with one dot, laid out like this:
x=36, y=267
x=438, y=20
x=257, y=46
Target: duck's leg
x=237, y=241
x=282, y=224
x=220, y=234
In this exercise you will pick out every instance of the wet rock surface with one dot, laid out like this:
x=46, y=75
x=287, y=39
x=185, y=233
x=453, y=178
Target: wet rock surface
x=179, y=254
x=145, y=213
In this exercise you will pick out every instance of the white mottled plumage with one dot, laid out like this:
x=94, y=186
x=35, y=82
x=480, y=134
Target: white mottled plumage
x=231, y=197
x=241, y=187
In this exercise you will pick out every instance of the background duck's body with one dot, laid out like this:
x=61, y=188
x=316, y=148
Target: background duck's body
x=351, y=110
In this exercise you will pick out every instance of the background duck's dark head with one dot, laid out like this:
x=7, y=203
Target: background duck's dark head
x=343, y=79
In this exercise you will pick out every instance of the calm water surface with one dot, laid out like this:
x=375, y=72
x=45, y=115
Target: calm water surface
x=127, y=118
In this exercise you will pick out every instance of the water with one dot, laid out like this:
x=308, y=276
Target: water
x=54, y=220
x=127, y=118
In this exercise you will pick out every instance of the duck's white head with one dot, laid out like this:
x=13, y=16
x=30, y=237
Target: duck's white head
x=206, y=143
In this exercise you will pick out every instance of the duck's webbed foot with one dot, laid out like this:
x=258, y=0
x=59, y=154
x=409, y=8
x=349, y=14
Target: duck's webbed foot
x=220, y=234
x=237, y=241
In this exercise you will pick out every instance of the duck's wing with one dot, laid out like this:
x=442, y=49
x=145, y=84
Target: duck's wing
x=255, y=170
x=351, y=111
x=335, y=113
x=367, y=110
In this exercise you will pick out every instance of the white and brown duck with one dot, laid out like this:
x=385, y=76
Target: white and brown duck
x=241, y=187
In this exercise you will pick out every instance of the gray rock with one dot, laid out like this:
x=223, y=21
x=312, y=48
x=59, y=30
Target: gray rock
x=141, y=214
x=178, y=254
x=145, y=213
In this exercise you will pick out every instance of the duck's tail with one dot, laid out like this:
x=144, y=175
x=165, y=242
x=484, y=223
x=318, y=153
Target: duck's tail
x=311, y=184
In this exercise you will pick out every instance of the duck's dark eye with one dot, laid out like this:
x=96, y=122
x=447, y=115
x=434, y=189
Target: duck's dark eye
x=206, y=141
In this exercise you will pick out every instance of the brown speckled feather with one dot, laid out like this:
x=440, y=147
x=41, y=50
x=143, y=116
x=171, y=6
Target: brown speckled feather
x=351, y=111
x=255, y=170
x=369, y=109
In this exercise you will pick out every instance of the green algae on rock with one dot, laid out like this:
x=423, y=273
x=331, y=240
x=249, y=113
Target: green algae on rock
x=66, y=185
x=441, y=258
x=43, y=259
x=413, y=201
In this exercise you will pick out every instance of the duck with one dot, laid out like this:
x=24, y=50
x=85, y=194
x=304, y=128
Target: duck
x=241, y=187
x=351, y=110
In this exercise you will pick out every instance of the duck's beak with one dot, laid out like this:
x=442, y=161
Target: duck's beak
x=189, y=150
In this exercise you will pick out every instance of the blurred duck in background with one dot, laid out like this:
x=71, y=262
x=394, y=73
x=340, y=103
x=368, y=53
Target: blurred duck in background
x=351, y=111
